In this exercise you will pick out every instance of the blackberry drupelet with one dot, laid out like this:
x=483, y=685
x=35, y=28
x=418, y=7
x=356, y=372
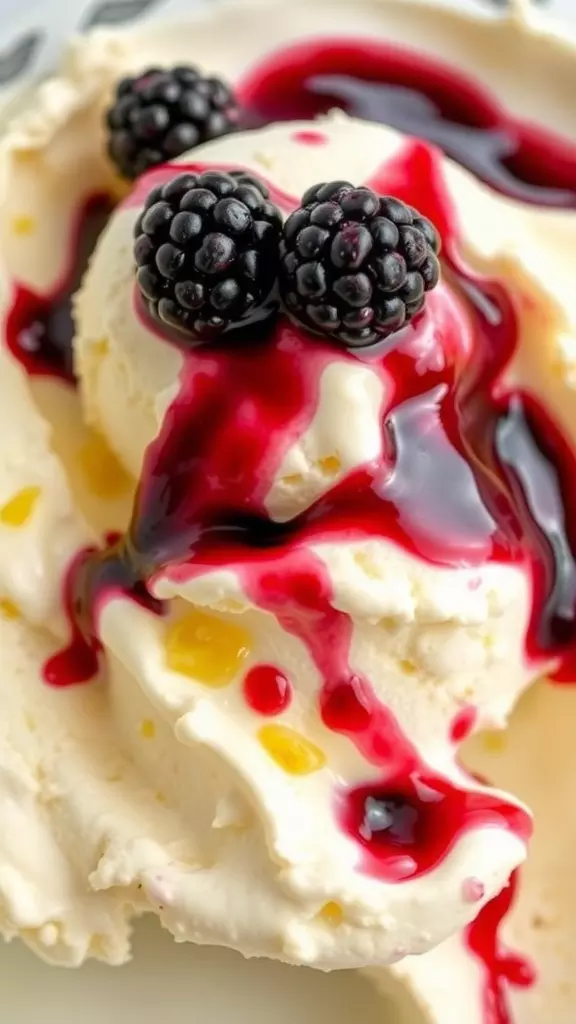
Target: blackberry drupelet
x=207, y=252
x=161, y=114
x=354, y=265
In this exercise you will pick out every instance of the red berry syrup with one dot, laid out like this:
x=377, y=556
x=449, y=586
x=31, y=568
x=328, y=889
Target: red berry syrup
x=39, y=329
x=502, y=968
x=419, y=96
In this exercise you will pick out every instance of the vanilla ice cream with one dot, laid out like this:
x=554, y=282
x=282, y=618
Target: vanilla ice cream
x=159, y=788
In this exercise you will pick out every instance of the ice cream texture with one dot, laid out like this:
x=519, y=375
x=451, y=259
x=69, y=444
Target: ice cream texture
x=163, y=787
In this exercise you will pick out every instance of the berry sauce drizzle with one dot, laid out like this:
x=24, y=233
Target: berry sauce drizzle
x=421, y=97
x=503, y=968
x=39, y=328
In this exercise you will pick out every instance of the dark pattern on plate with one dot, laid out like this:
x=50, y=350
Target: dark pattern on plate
x=115, y=13
x=17, y=59
x=506, y=3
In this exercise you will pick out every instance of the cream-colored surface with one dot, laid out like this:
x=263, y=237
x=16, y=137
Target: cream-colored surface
x=173, y=823
x=184, y=984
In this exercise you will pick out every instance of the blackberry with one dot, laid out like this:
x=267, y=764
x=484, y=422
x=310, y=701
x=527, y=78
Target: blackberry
x=356, y=265
x=161, y=114
x=207, y=252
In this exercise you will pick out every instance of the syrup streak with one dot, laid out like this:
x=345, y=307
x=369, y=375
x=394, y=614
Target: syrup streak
x=502, y=967
x=39, y=329
x=419, y=96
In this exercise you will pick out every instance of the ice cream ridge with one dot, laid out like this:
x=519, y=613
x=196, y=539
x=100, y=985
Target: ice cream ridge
x=304, y=529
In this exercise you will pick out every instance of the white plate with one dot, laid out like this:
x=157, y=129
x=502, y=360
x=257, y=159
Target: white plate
x=182, y=984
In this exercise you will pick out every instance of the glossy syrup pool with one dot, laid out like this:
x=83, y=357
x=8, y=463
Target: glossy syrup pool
x=418, y=96
x=498, y=481
x=39, y=329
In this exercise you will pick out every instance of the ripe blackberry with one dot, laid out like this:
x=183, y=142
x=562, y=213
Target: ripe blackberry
x=355, y=265
x=161, y=114
x=207, y=252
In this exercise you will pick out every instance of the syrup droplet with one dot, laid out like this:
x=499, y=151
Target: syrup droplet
x=463, y=724
x=267, y=690
x=347, y=705
x=308, y=138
